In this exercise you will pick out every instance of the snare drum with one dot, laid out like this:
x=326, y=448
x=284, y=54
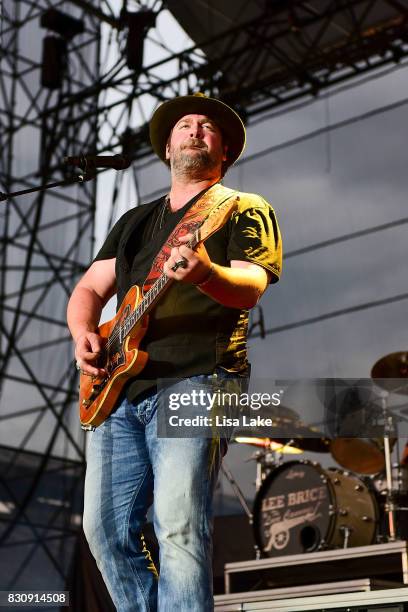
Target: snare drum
x=301, y=508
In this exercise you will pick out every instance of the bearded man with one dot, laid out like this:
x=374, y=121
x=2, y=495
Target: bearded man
x=196, y=333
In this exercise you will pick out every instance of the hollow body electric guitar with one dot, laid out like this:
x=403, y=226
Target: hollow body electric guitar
x=122, y=358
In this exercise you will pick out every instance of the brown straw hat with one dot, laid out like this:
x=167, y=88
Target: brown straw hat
x=167, y=114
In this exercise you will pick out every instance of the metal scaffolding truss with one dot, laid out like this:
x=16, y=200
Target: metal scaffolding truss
x=265, y=56
x=46, y=237
x=46, y=242
x=283, y=50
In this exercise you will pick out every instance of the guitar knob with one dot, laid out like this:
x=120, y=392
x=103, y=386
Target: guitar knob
x=86, y=402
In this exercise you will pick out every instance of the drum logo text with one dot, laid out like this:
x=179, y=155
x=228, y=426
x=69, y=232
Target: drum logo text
x=295, y=498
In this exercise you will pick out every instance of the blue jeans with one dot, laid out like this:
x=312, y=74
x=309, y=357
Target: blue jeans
x=127, y=465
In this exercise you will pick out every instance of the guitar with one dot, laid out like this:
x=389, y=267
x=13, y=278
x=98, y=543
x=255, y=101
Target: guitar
x=122, y=358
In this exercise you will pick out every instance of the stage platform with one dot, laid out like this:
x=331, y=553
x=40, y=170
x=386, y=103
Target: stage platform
x=378, y=561
x=386, y=600
x=354, y=579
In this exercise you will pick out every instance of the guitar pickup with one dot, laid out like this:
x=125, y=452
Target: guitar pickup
x=97, y=389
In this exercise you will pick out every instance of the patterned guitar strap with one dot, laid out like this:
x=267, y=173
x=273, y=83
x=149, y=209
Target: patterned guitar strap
x=191, y=221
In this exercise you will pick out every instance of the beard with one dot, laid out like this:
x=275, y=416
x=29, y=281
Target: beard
x=185, y=161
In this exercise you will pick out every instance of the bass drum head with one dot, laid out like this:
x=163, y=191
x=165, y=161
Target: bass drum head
x=292, y=510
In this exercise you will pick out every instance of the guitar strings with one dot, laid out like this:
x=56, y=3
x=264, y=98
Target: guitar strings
x=118, y=330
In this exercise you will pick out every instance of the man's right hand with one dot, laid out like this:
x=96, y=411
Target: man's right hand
x=84, y=312
x=89, y=350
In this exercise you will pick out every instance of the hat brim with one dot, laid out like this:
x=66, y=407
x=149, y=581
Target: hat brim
x=167, y=114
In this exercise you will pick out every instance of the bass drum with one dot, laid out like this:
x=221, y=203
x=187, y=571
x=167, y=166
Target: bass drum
x=302, y=508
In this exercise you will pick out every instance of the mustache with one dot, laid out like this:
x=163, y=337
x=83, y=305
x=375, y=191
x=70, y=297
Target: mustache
x=194, y=142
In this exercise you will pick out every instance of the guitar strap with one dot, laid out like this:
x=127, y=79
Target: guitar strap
x=191, y=221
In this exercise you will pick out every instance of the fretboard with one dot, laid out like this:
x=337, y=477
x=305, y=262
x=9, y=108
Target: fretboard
x=150, y=297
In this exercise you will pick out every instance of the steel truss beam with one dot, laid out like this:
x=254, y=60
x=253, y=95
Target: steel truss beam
x=46, y=243
x=287, y=51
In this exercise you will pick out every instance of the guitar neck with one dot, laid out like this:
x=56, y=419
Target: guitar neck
x=151, y=296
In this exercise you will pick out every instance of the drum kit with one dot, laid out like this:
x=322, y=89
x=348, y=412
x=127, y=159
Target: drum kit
x=302, y=507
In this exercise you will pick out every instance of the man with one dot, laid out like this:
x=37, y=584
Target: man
x=197, y=332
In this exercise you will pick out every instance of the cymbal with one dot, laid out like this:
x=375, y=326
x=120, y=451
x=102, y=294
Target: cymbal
x=313, y=445
x=290, y=433
x=269, y=444
x=394, y=367
x=280, y=413
x=287, y=430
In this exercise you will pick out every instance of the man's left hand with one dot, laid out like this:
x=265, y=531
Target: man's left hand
x=197, y=263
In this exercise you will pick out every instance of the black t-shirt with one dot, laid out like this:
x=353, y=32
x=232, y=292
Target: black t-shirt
x=188, y=332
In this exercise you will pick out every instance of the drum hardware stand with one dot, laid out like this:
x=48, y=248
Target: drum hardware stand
x=259, y=471
x=240, y=496
x=266, y=460
x=390, y=505
x=235, y=487
x=262, y=465
x=346, y=531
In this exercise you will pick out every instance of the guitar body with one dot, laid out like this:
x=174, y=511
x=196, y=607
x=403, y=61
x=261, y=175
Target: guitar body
x=122, y=359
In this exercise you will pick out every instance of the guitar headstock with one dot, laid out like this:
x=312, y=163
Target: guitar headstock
x=216, y=219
